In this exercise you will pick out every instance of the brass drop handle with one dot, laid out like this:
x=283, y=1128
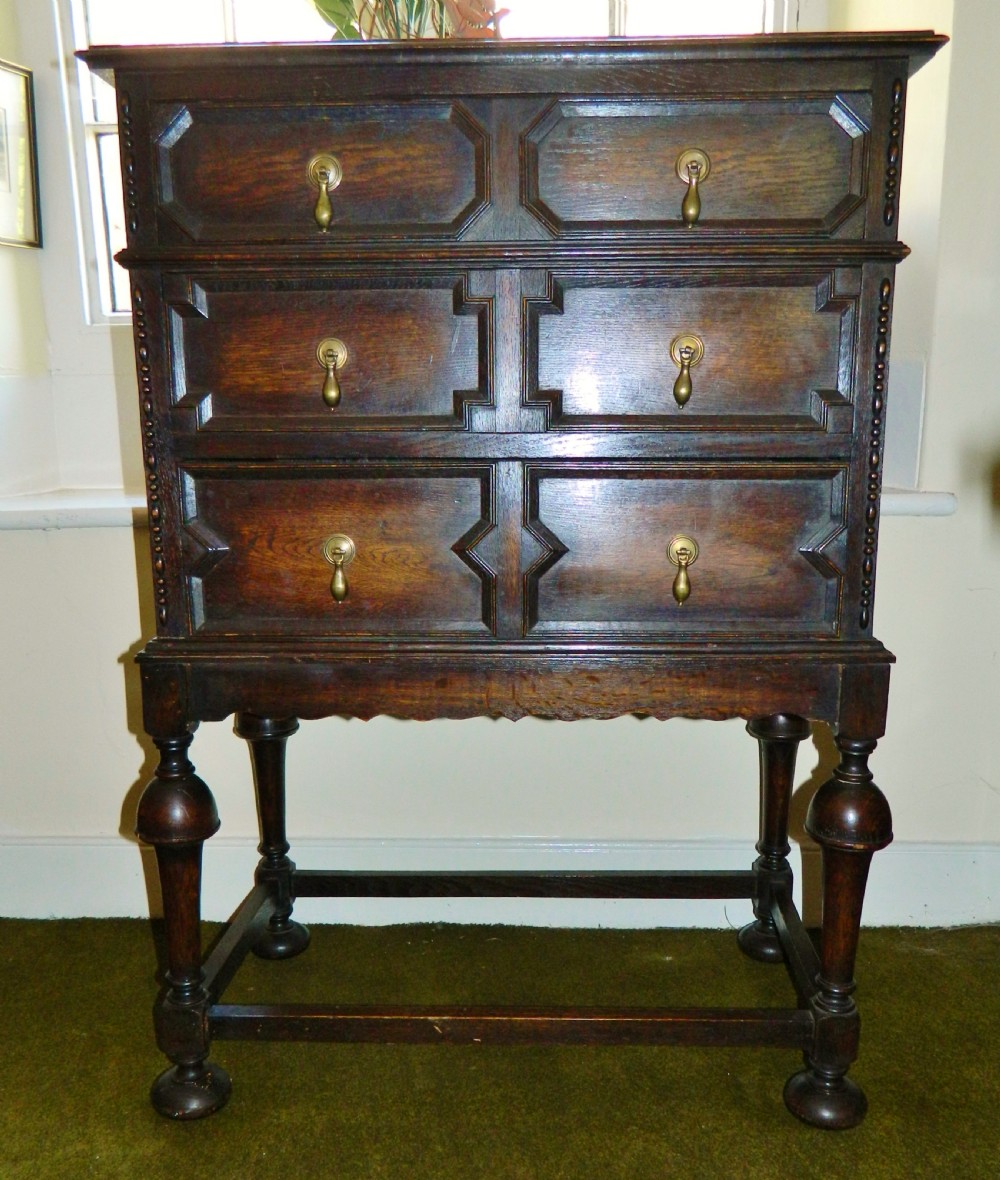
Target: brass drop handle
x=683, y=553
x=682, y=386
x=325, y=173
x=332, y=356
x=693, y=166
x=339, y=550
x=686, y=351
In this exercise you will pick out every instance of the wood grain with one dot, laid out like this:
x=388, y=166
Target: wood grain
x=247, y=358
x=768, y=350
x=239, y=171
x=268, y=573
x=773, y=163
x=750, y=575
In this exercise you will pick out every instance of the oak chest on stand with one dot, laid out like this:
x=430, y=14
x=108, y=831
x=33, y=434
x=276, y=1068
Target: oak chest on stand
x=515, y=379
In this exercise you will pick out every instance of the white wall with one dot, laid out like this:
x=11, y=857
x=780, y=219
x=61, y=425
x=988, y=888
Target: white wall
x=466, y=794
x=27, y=424
x=939, y=581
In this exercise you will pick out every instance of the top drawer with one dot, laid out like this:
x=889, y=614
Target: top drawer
x=262, y=173
x=775, y=165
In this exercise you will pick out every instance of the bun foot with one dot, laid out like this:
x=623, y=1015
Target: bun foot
x=191, y=1091
x=832, y=1104
x=760, y=942
x=282, y=942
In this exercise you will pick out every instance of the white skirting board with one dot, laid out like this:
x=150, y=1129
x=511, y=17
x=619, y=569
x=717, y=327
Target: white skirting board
x=912, y=884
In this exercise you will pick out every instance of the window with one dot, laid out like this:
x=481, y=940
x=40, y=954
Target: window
x=104, y=22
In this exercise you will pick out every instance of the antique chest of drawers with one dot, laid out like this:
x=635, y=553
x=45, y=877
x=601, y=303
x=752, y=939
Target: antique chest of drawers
x=513, y=379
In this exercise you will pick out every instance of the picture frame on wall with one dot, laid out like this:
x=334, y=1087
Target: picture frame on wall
x=20, y=223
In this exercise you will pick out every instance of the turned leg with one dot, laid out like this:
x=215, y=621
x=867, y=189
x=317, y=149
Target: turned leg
x=850, y=820
x=778, y=738
x=266, y=737
x=176, y=815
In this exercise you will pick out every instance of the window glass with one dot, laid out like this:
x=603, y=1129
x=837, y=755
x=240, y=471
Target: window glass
x=113, y=210
x=289, y=20
x=653, y=18
x=126, y=22
x=556, y=18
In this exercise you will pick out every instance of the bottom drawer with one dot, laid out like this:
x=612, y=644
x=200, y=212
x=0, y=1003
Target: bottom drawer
x=770, y=542
x=259, y=556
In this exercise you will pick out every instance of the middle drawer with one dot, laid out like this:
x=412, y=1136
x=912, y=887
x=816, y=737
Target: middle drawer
x=674, y=351
x=695, y=350
x=308, y=352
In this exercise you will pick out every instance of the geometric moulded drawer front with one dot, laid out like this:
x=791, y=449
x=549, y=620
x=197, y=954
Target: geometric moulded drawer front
x=247, y=352
x=240, y=172
x=785, y=165
x=256, y=541
x=770, y=549
x=774, y=352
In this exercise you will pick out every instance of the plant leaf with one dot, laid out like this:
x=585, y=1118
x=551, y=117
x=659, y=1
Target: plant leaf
x=341, y=15
x=398, y=19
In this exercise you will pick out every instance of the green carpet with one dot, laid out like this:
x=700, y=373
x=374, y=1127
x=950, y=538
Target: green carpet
x=78, y=1057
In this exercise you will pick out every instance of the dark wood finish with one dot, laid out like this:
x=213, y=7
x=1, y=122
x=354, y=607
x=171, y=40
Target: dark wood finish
x=254, y=537
x=777, y=163
x=446, y=1025
x=696, y=883
x=771, y=549
x=266, y=737
x=849, y=818
x=176, y=815
x=778, y=739
x=507, y=264
x=317, y=678
x=797, y=947
x=234, y=372
x=777, y=352
x=237, y=172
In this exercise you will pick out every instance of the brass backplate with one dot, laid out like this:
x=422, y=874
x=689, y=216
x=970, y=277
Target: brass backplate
x=681, y=542
x=324, y=171
x=331, y=345
x=339, y=549
x=686, y=340
x=693, y=156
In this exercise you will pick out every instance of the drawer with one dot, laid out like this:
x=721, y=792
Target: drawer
x=260, y=559
x=255, y=354
x=776, y=164
x=772, y=351
x=240, y=172
x=770, y=541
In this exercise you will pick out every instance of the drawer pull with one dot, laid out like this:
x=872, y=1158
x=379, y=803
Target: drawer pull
x=685, y=351
x=683, y=552
x=332, y=355
x=324, y=173
x=693, y=166
x=339, y=551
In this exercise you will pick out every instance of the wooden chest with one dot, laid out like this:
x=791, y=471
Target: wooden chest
x=515, y=379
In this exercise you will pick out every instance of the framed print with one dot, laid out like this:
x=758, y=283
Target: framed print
x=19, y=221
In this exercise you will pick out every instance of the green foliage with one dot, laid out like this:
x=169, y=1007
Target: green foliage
x=340, y=15
x=388, y=19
